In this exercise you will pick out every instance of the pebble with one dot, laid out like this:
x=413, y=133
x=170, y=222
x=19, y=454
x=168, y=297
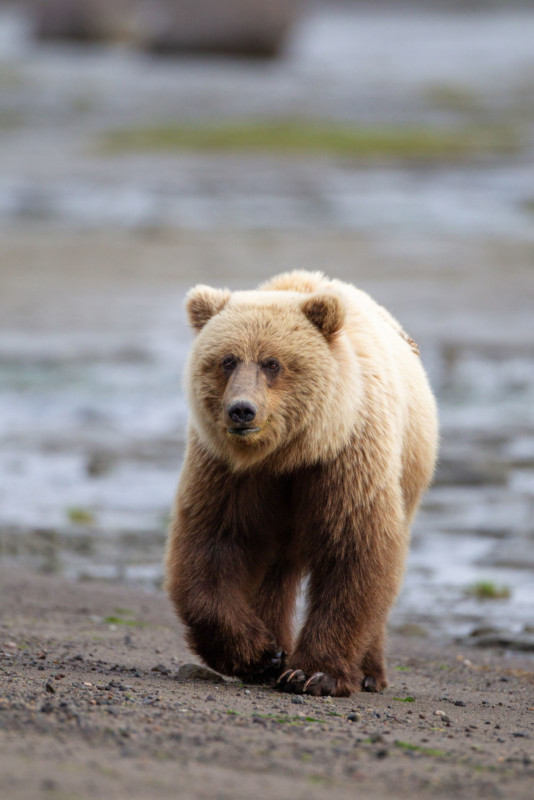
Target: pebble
x=49, y=686
x=196, y=672
x=162, y=669
x=460, y=703
x=354, y=716
x=297, y=700
x=210, y=698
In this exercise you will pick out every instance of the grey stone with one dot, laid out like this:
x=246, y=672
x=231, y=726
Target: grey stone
x=196, y=672
x=500, y=638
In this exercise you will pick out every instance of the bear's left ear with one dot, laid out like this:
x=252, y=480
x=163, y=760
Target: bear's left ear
x=326, y=312
x=203, y=302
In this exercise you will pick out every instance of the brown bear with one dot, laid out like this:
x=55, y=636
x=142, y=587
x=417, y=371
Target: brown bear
x=313, y=435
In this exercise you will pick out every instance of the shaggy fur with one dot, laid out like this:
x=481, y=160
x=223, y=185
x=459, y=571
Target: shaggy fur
x=322, y=481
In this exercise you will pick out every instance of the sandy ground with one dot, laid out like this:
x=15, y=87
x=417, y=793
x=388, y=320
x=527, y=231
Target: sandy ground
x=91, y=705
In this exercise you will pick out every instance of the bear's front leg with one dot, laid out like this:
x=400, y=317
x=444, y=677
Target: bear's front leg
x=215, y=560
x=222, y=628
x=355, y=569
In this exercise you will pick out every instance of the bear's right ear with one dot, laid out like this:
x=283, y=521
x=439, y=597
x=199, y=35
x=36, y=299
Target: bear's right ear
x=203, y=302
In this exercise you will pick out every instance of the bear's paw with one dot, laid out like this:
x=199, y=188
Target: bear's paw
x=318, y=684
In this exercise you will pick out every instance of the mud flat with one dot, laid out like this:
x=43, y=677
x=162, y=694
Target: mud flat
x=94, y=703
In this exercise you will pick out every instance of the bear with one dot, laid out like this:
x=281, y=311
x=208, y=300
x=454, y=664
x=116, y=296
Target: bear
x=313, y=435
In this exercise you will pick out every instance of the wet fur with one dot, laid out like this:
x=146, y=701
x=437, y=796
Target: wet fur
x=327, y=489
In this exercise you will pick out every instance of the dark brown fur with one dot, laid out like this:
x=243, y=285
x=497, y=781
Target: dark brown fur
x=236, y=567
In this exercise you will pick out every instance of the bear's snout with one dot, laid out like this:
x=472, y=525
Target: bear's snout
x=242, y=412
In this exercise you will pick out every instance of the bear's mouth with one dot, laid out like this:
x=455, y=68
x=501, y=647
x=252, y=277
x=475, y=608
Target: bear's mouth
x=242, y=431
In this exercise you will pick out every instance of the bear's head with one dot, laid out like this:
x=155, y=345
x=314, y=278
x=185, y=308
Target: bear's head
x=267, y=377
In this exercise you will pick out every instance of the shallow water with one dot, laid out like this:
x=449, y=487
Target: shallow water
x=466, y=70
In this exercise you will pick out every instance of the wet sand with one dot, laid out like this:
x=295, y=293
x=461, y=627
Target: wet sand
x=91, y=705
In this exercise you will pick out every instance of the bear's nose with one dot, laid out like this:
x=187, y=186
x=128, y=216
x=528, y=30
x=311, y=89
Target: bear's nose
x=242, y=411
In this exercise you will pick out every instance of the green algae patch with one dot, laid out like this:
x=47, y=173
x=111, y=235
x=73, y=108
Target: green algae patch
x=415, y=748
x=408, y=699
x=80, y=516
x=113, y=619
x=487, y=590
x=292, y=137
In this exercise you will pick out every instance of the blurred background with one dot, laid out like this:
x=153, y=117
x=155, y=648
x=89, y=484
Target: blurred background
x=146, y=145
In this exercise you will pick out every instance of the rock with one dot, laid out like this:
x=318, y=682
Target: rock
x=196, y=672
x=49, y=686
x=83, y=20
x=494, y=637
x=99, y=463
x=354, y=716
x=241, y=27
x=297, y=699
x=162, y=669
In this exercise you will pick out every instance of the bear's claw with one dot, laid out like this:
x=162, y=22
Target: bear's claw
x=297, y=682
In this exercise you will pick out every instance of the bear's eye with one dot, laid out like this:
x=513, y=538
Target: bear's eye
x=271, y=365
x=229, y=363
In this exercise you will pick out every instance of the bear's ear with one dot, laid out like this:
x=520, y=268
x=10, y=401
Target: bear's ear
x=203, y=302
x=326, y=312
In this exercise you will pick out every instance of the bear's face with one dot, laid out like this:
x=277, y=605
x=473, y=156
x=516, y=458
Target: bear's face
x=261, y=368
